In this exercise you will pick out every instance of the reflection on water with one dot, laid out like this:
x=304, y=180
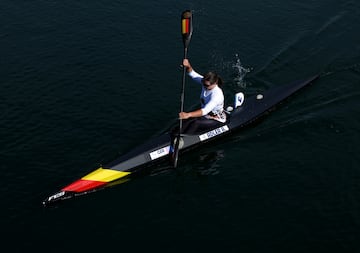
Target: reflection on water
x=208, y=163
x=203, y=163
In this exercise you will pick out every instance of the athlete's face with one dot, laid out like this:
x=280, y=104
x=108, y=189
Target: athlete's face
x=208, y=85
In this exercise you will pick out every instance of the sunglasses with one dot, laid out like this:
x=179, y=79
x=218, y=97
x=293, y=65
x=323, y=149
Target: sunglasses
x=207, y=84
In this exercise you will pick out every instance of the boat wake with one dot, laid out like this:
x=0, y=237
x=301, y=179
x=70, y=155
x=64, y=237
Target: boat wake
x=355, y=68
x=330, y=22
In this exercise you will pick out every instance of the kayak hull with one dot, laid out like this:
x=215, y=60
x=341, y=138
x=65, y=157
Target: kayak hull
x=159, y=148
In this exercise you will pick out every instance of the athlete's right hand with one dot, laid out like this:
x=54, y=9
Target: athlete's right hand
x=184, y=115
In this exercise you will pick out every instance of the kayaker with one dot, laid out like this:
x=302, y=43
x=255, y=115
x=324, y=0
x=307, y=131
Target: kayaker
x=211, y=114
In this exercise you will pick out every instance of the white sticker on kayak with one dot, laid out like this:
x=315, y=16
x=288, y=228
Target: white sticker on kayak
x=160, y=153
x=213, y=133
x=57, y=195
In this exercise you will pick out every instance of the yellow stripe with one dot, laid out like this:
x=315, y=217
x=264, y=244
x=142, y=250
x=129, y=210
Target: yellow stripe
x=105, y=175
x=184, y=26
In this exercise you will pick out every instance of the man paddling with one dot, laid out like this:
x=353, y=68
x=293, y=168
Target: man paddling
x=211, y=114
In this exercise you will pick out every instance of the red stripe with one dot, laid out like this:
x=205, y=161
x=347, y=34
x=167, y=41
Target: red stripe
x=187, y=26
x=83, y=185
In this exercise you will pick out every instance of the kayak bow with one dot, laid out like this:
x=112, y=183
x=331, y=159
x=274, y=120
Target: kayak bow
x=158, y=149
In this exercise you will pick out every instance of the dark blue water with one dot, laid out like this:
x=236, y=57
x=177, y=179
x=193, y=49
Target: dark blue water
x=82, y=82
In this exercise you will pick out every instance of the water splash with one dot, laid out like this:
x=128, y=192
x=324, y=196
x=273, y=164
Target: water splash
x=232, y=70
x=240, y=72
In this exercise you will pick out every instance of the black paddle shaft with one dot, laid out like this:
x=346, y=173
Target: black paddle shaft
x=186, y=31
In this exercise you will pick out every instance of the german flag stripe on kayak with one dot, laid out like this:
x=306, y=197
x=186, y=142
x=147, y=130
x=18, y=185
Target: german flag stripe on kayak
x=185, y=27
x=95, y=179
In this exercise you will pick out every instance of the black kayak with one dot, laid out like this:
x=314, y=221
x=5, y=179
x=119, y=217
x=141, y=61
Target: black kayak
x=159, y=149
